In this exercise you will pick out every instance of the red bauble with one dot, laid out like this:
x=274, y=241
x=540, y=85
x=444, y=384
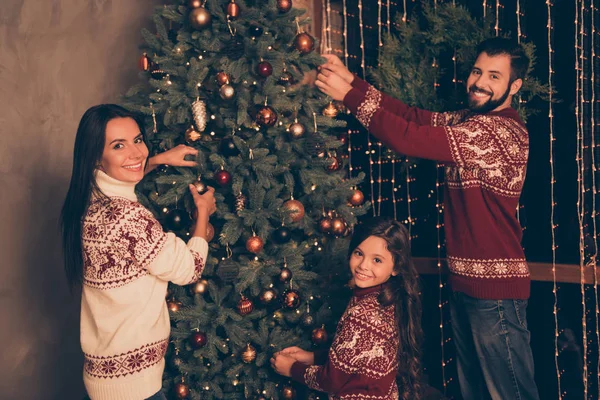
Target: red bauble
x=357, y=198
x=198, y=340
x=145, y=63
x=304, y=43
x=245, y=306
x=266, y=116
x=319, y=335
x=223, y=178
x=295, y=208
x=254, y=244
x=291, y=299
x=222, y=78
x=264, y=69
x=284, y=5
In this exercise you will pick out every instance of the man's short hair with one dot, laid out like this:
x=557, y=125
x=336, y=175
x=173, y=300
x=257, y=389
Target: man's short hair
x=519, y=62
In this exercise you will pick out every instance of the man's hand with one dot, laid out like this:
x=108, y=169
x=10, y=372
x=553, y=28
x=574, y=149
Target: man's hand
x=337, y=66
x=282, y=364
x=332, y=84
x=305, y=357
x=174, y=157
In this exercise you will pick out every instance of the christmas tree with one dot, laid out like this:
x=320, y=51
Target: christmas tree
x=226, y=77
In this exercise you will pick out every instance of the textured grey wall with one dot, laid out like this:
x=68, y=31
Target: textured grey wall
x=57, y=58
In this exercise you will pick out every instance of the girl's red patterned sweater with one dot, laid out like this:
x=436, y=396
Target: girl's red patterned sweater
x=363, y=360
x=485, y=158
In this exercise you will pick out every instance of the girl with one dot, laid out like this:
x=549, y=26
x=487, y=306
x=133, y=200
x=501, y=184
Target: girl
x=378, y=337
x=119, y=252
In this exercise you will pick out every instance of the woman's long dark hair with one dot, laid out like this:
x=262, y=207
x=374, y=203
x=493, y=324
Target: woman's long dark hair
x=403, y=290
x=87, y=155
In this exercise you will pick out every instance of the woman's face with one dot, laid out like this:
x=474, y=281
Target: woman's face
x=125, y=153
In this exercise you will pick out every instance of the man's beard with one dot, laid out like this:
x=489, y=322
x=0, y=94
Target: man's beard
x=489, y=105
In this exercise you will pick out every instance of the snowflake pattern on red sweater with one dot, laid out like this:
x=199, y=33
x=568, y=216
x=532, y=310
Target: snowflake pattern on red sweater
x=121, y=238
x=126, y=363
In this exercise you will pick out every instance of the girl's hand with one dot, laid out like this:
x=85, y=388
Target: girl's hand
x=305, y=357
x=174, y=157
x=337, y=66
x=282, y=364
x=205, y=203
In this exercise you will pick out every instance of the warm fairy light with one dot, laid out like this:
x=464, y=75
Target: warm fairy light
x=497, y=26
x=362, y=38
x=438, y=212
x=345, y=13
x=553, y=203
x=394, y=187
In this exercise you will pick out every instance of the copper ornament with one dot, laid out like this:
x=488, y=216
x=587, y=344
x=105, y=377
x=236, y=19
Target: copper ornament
x=222, y=78
x=145, y=63
x=248, y=354
x=295, y=208
x=227, y=92
x=254, y=244
x=266, y=116
x=200, y=18
x=192, y=135
x=296, y=130
x=284, y=5
x=338, y=226
x=233, y=10
x=245, y=306
x=267, y=296
x=330, y=111
x=325, y=225
x=357, y=198
x=304, y=43
x=285, y=275
x=291, y=299
x=182, y=391
x=319, y=335
x=201, y=286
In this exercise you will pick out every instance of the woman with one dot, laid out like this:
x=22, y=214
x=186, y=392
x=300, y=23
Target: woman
x=119, y=252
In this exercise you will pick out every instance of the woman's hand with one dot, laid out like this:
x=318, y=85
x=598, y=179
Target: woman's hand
x=331, y=83
x=337, y=66
x=282, y=364
x=305, y=357
x=174, y=157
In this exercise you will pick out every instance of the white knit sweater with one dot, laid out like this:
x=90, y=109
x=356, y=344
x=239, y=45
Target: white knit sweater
x=128, y=261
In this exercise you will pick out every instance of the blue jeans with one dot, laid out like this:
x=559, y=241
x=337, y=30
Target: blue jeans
x=494, y=358
x=157, y=396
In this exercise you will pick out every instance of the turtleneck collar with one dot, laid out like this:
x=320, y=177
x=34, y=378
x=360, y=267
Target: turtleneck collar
x=361, y=292
x=112, y=187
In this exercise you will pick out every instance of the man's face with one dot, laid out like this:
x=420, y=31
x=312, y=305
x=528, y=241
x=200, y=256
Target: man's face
x=489, y=87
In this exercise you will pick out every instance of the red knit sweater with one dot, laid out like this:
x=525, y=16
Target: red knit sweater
x=363, y=359
x=485, y=158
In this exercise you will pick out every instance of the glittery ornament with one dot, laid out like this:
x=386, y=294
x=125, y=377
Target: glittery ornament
x=291, y=299
x=304, y=43
x=240, y=202
x=199, y=113
x=308, y=320
x=245, y=306
x=266, y=116
x=192, y=135
x=248, y=354
x=338, y=226
x=200, y=18
x=325, y=225
x=181, y=390
x=227, y=92
x=330, y=111
x=157, y=72
x=295, y=208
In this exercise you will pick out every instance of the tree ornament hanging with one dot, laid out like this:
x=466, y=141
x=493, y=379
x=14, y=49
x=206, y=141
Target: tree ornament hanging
x=338, y=226
x=248, y=354
x=330, y=111
x=223, y=178
x=199, y=113
x=267, y=296
x=357, y=198
x=284, y=6
x=308, y=320
x=285, y=275
x=228, y=148
x=266, y=116
x=181, y=390
x=201, y=286
x=198, y=340
x=194, y=3
x=282, y=235
x=176, y=361
x=240, y=202
x=192, y=135
x=254, y=244
x=295, y=209
x=296, y=130
x=227, y=92
x=325, y=224
x=334, y=163
x=288, y=392
x=264, y=69
x=200, y=18
x=145, y=63
x=157, y=72
x=319, y=335
x=177, y=219
x=245, y=306
x=174, y=305
x=200, y=186
x=291, y=299
x=222, y=78
x=286, y=78
x=233, y=10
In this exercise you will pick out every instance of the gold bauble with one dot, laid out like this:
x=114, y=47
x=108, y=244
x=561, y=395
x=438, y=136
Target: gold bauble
x=200, y=18
x=201, y=286
x=285, y=275
x=227, y=92
x=192, y=135
x=295, y=208
x=254, y=244
x=330, y=111
x=248, y=354
x=296, y=130
x=338, y=226
x=194, y=3
x=267, y=296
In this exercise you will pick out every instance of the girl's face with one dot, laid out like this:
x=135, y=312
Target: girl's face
x=125, y=153
x=371, y=263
